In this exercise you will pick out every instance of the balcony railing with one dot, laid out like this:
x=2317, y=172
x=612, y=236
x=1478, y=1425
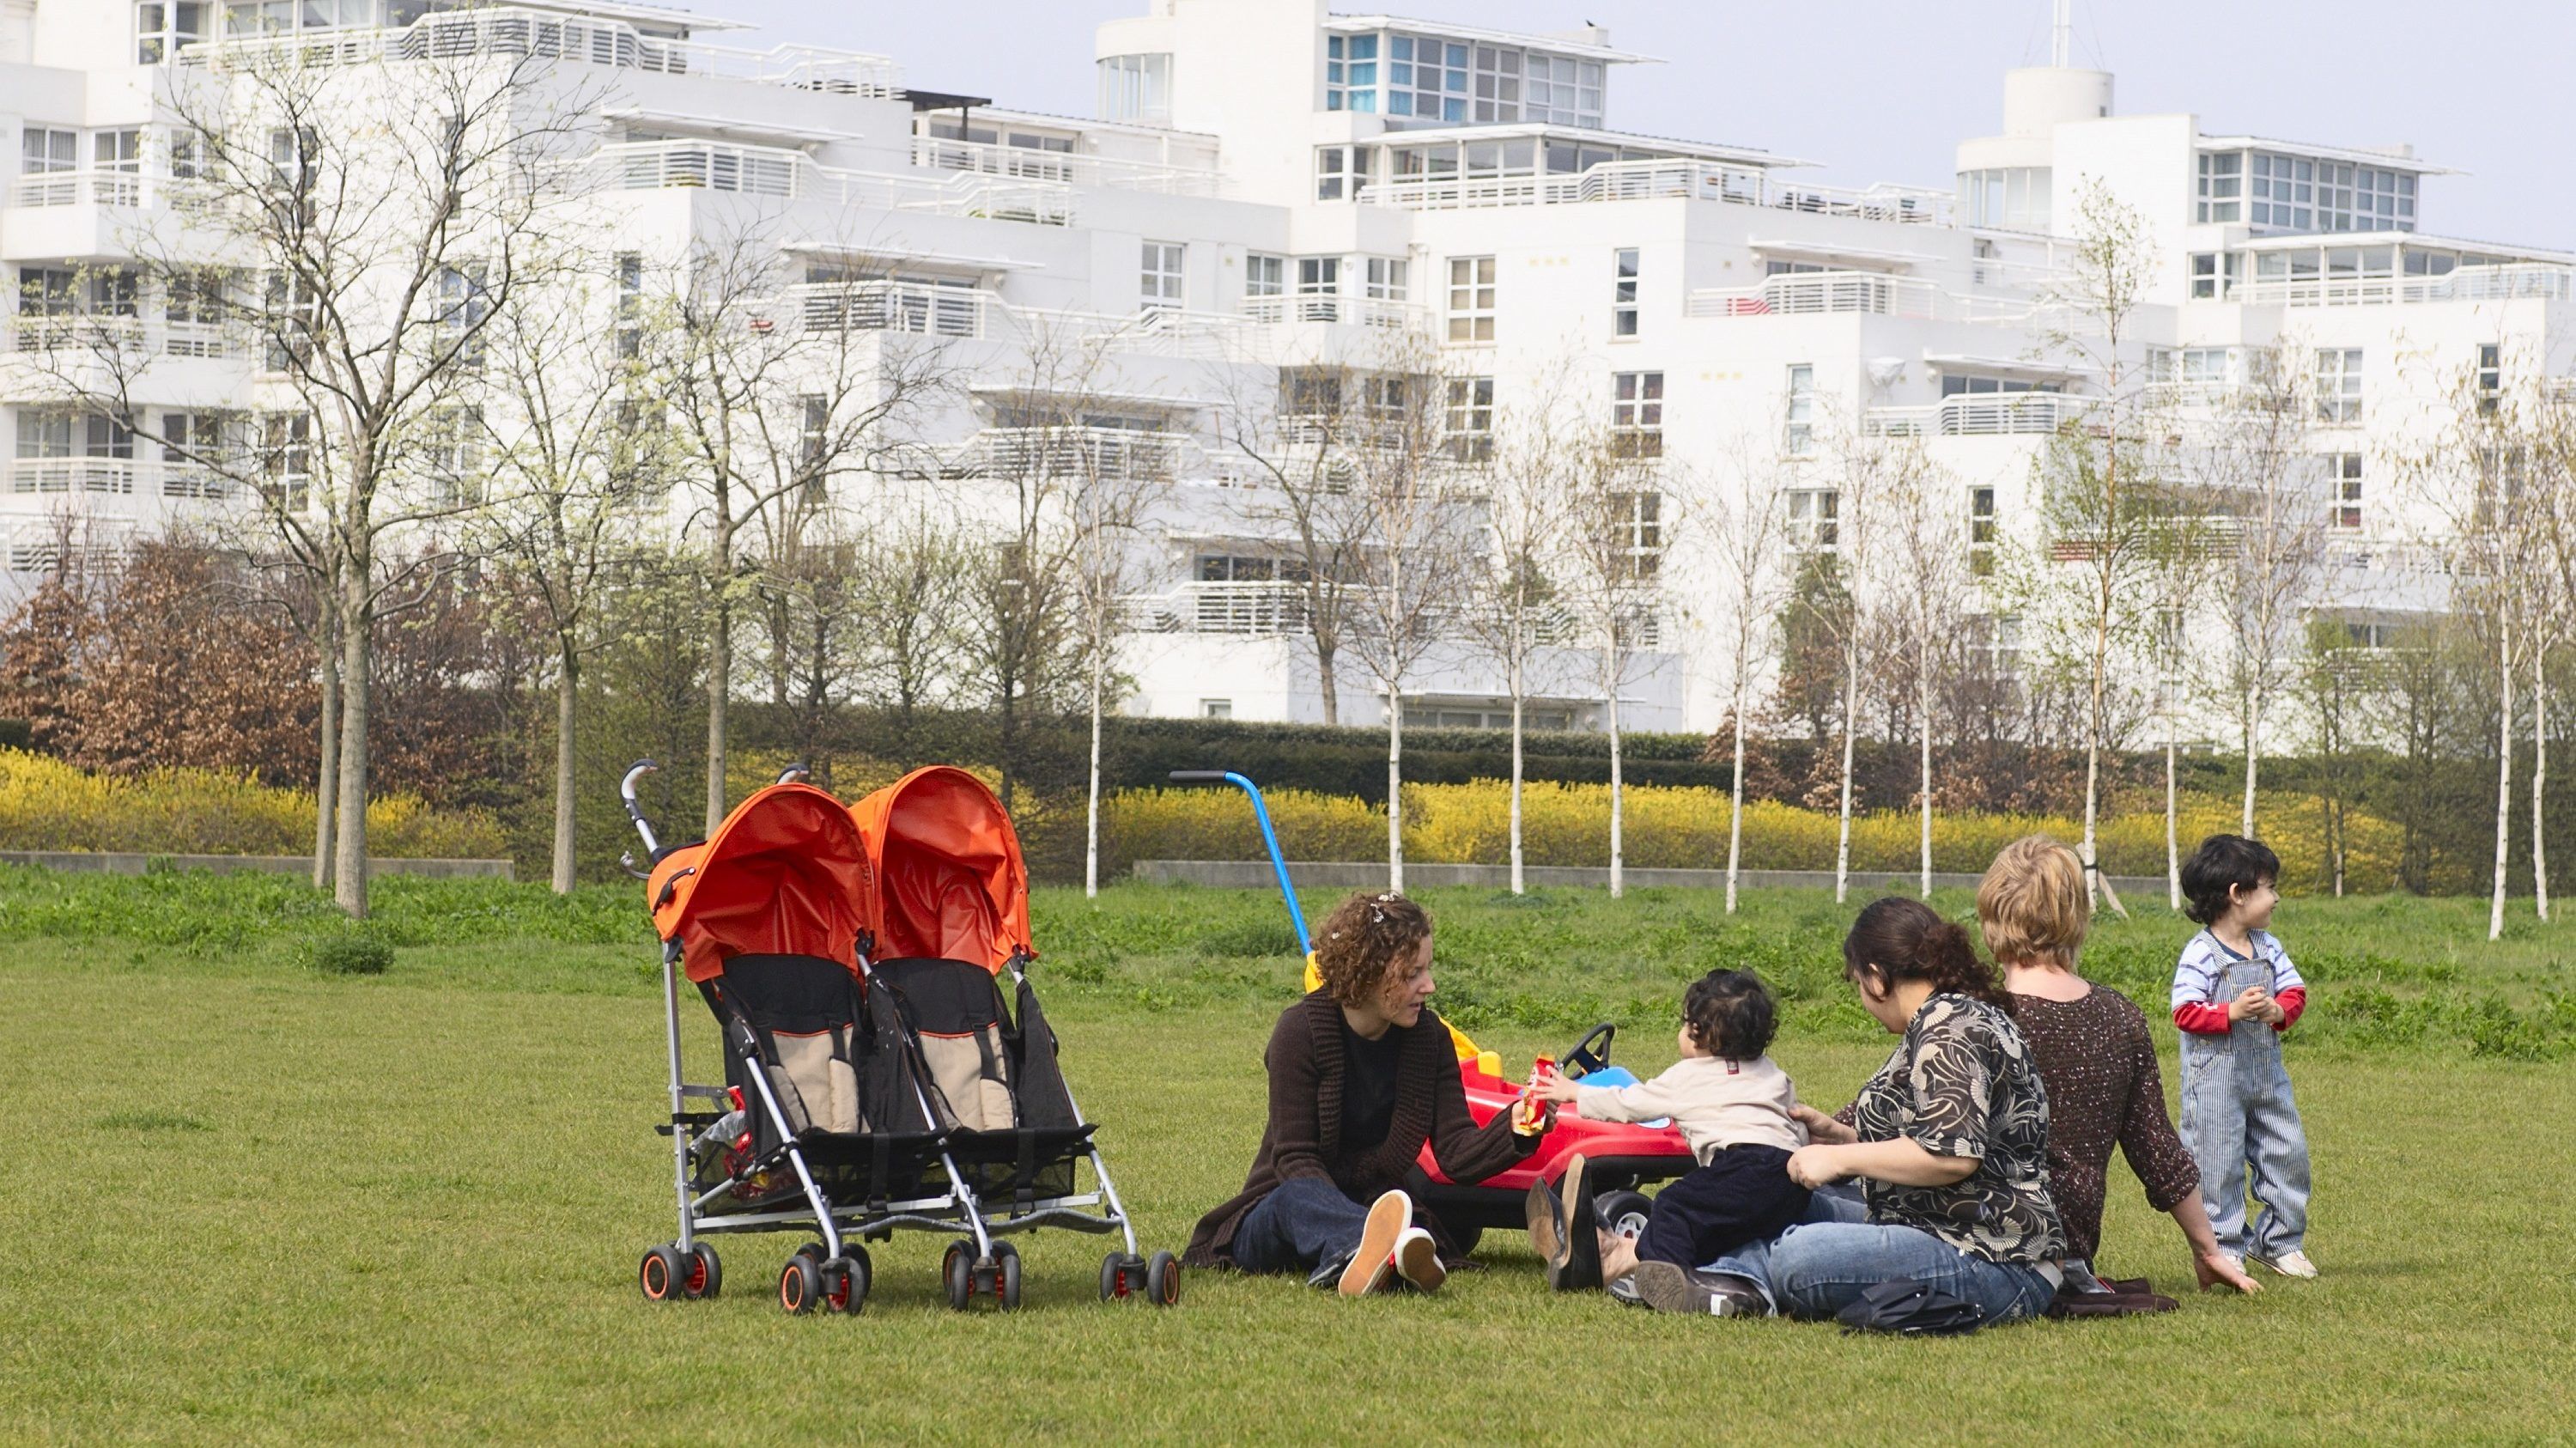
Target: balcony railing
x=793, y=176
x=1111, y=453
x=585, y=40
x=1873, y=293
x=2511, y=282
x=985, y=158
x=1256, y=609
x=892, y=306
x=1352, y=311
x=94, y=332
x=1695, y=180
x=114, y=478
x=2004, y=414
x=83, y=188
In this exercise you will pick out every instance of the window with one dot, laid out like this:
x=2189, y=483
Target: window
x=160, y=29
x=1426, y=78
x=193, y=446
x=1981, y=532
x=1265, y=276
x=116, y=151
x=1319, y=276
x=1623, y=292
x=2215, y=274
x=286, y=460
x=2194, y=367
x=1136, y=88
x=1341, y=172
x=187, y=156
x=1470, y=431
x=2221, y=186
x=1972, y=384
x=1387, y=277
x=1350, y=73
x=2282, y=193
x=195, y=298
x=1814, y=515
x=2343, y=474
x=1498, y=84
x=2014, y=198
x=1799, y=436
x=1563, y=91
x=48, y=291
x=1637, y=414
x=292, y=316
x=453, y=454
x=42, y=151
x=116, y=292
x=2339, y=384
x=1639, y=544
x=463, y=307
x=1159, y=280
x=1216, y=708
x=2490, y=377
x=1471, y=299
x=630, y=303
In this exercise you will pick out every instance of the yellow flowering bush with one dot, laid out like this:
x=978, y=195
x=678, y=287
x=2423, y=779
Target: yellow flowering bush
x=46, y=804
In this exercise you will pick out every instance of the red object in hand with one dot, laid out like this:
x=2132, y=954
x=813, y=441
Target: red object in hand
x=1529, y=1111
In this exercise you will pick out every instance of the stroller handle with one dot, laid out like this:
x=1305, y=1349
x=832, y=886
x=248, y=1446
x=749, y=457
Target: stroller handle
x=793, y=773
x=1269, y=839
x=635, y=811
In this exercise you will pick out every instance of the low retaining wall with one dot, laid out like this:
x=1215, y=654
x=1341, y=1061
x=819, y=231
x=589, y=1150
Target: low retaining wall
x=1355, y=875
x=117, y=862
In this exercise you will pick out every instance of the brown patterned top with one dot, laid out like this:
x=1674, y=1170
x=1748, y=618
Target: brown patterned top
x=2099, y=1064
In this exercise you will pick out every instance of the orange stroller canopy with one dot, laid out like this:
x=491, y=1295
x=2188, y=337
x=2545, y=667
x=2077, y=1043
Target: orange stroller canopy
x=949, y=877
x=785, y=874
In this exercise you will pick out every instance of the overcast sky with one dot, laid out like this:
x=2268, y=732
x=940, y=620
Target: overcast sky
x=1880, y=90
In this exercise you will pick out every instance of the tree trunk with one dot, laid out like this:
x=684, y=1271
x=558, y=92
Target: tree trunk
x=326, y=784
x=349, y=885
x=567, y=693
x=1923, y=699
x=1735, y=808
x=2253, y=753
x=2539, y=784
x=1091, y=821
x=719, y=691
x=1519, y=682
x=2173, y=802
x=1325, y=683
x=2093, y=750
x=1394, y=790
x=1842, y=847
x=1618, y=881
x=2504, y=774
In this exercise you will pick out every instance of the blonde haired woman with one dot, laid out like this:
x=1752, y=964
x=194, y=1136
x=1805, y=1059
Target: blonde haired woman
x=2096, y=1057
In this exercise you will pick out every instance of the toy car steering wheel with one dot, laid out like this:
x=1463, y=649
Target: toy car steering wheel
x=1590, y=1054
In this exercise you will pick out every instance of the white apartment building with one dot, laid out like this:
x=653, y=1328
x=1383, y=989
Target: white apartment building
x=1274, y=184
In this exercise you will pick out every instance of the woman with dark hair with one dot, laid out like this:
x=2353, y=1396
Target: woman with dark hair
x=1948, y=1142
x=1362, y=1073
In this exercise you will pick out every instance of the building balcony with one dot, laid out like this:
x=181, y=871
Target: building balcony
x=1076, y=453
x=85, y=188
x=1807, y=294
x=551, y=35
x=87, y=334
x=116, y=483
x=1023, y=163
x=793, y=176
x=1645, y=180
x=1247, y=609
x=2006, y=414
x=1349, y=311
x=2510, y=282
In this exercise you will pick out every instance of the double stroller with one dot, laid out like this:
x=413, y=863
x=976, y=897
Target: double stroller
x=878, y=1075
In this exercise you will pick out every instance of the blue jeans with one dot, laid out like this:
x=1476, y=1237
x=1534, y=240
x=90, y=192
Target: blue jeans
x=1303, y=1222
x=1818, y=1266
x=2239, y=1120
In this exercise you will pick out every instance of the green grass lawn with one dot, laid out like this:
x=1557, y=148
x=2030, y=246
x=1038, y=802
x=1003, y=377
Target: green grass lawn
x=252, y=1202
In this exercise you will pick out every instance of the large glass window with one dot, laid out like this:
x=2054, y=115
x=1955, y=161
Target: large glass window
x=42, y=150
x=2220, y=194
x=1470, y=432
x=1498, y=83
x=2214, y=274
x=1471, y=299
x=1637, y=414
x=2014, y=198
x=1563, y=91
x=2283, y=193
x=1265, y=276
x=1387, y=278
x=1426, y=78
x=1623, y=292
x=161, y=28
x=1341, y=172
x=2338, y=384
x=1158, y=280
x=1350, y=73
x=1136, y=88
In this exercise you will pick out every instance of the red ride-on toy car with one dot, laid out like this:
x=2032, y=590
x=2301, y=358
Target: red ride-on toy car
x=1622, y=1157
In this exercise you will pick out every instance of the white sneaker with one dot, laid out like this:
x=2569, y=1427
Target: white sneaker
x=1417, y=1260
x=2288, y=1264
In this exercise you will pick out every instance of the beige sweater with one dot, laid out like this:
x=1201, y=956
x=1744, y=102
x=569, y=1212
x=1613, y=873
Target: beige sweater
x=1716, y=1102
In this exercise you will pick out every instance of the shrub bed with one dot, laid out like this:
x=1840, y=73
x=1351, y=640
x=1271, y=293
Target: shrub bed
x=46, y=804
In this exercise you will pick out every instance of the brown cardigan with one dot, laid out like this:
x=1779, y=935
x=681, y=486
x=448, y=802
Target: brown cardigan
x=1303, y=1138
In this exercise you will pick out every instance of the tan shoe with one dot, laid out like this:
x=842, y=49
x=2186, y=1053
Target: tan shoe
x=1417, y=1260
x=1372, y=1266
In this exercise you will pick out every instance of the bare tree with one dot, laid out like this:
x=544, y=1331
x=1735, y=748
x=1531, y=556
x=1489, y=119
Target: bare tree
x=1736, y=514
x=1614, y=541
x=1297, y=441
x=1866, y=475
x=911, y=577
x=1927, y=570
x=378, y=210
x=776, y=385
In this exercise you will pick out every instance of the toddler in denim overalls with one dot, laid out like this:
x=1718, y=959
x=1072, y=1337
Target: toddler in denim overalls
x=2234, y=993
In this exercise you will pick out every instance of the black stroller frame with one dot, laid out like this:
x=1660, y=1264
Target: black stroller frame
x=836, y=1273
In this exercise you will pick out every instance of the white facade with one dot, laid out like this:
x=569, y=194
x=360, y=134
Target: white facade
x=1275, y=183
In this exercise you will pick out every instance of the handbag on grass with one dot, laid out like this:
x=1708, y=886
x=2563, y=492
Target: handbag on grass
x=1916, y=1309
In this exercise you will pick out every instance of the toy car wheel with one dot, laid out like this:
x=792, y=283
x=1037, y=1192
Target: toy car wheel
x=1624, y=1213
x=1163, y=1280
x=662, y=1274
x=800, y=1284
x=1006, y=1276
x=1466, y=1238
x=958, y=1268
x=705, y=1276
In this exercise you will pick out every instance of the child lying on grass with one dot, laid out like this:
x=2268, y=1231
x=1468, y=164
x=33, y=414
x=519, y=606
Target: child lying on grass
x=1735, y=1108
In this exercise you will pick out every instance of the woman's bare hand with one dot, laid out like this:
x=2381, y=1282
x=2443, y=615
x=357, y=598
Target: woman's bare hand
x=2214, y=1268
x=1821, y=1128
x=1815, y=1166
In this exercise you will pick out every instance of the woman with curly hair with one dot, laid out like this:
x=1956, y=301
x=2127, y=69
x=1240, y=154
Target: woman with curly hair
x=1362, y=1073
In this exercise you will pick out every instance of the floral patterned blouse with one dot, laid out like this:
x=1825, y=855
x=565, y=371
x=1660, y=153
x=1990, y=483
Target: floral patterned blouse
x=1962, y=1083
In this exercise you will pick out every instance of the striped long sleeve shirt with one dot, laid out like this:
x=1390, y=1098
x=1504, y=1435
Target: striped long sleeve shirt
x=2198, y=1004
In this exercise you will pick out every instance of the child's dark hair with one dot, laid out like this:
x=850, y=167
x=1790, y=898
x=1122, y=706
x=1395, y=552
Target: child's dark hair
x=1898, y=939
x=1730, y=1014
x=2222, y=863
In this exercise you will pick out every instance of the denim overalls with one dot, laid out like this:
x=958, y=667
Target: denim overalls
x=2238, y=1117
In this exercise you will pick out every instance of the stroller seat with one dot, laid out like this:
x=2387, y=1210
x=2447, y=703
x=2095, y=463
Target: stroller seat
x=802, y=1014
x=1013, y=1129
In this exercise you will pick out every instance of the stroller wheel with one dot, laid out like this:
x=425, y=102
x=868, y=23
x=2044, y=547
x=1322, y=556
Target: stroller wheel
x=800, y=1284
x=1163, y=1280
x=705, y=1274
x=845, y=1282
x=1006, y=1276
x=662, y=1274
x=1120, y=1276
x=958, y=1267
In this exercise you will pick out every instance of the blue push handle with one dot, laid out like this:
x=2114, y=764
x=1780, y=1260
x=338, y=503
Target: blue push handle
x=1269, y=838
